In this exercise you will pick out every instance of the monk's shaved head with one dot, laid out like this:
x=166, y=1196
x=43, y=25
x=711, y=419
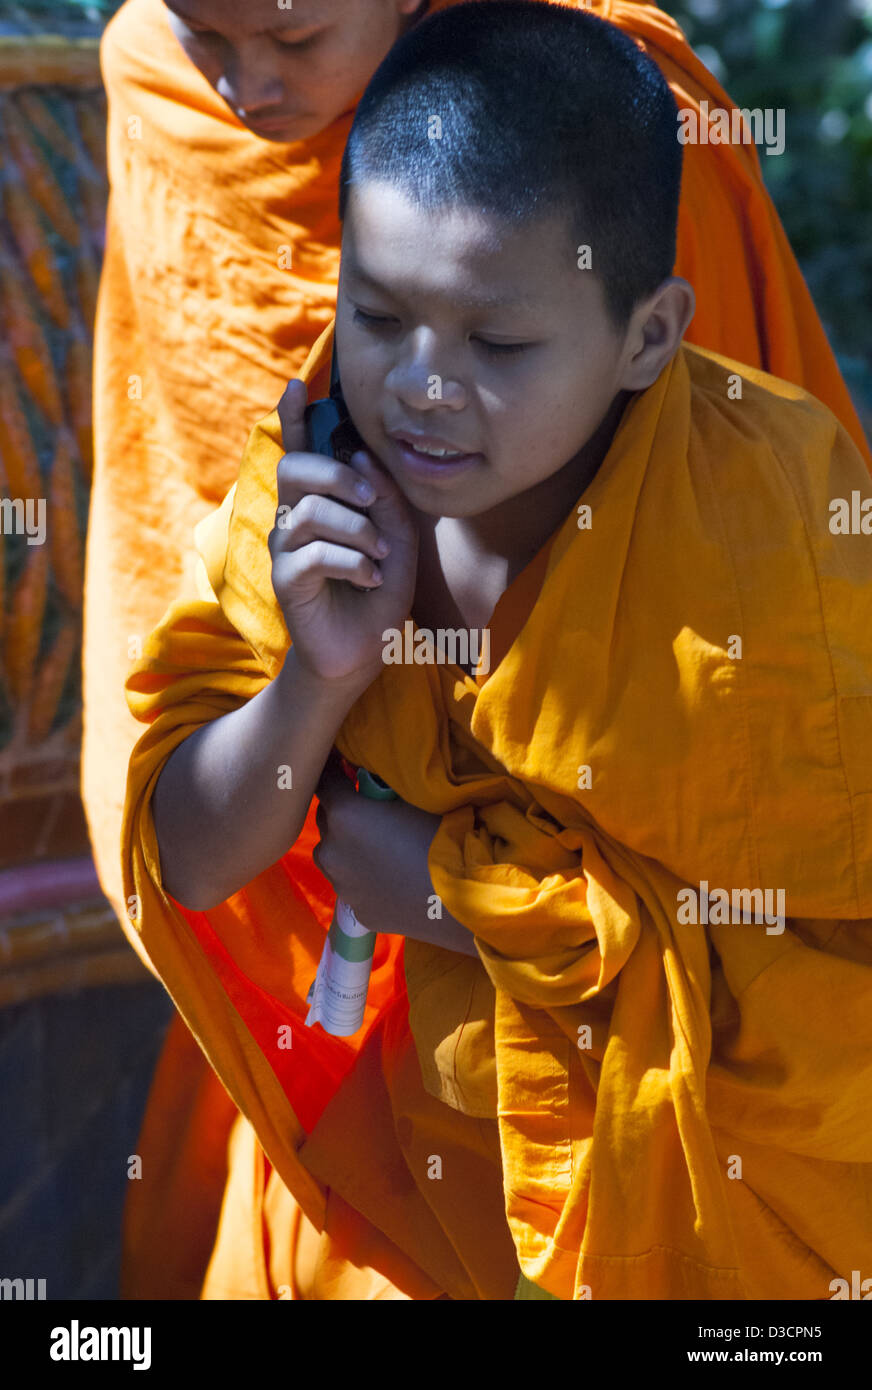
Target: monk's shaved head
x=524, y=110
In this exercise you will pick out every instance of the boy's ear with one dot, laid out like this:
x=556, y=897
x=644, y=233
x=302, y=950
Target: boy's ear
x=655, y=330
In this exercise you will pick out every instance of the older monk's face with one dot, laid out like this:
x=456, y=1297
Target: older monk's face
x=286, y=73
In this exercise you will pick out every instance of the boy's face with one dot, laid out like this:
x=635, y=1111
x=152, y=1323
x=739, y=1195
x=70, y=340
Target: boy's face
x=450, y=294
x=288, y=72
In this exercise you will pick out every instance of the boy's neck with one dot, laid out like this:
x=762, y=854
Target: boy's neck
x=517, y=528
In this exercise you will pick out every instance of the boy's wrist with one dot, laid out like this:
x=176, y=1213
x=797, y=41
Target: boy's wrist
x=301, y=683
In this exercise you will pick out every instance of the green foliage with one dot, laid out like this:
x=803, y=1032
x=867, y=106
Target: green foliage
x=814, y=59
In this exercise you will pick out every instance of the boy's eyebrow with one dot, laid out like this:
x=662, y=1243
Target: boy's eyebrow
x=478, y=302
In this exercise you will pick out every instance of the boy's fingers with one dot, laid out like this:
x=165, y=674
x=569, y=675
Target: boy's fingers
x=322, y=518
x=389, y=511
x=291, y=408
x=300, y=473
x=302, y=573
x=308, y=472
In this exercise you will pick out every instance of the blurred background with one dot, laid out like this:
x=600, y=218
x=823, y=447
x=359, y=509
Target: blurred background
x=81, y=1021
x=814, y=58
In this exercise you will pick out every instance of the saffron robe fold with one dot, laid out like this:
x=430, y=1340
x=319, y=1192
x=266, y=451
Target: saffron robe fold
x=679, y=1115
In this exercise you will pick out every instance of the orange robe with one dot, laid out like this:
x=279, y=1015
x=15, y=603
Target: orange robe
x=652, y=1103
x=199, y=326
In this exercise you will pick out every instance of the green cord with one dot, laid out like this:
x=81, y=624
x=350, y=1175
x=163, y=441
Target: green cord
x=527, y=1289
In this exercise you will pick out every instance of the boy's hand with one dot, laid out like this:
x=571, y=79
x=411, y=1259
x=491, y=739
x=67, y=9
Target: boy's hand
x=375, y=855
x=332, y=534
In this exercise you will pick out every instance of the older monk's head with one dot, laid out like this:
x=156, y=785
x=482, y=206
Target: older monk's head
x=287, y=71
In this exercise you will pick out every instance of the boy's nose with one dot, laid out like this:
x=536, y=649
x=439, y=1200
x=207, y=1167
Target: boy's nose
x=423, y=382
x=251, y=82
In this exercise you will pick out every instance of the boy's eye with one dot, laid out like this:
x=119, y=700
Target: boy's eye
x=499, y=348
x=289, y=38
x=375, y=321
x=371, y=320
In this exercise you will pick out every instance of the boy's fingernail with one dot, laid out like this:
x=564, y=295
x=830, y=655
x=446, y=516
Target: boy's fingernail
x=382, y=546
x=364, y=491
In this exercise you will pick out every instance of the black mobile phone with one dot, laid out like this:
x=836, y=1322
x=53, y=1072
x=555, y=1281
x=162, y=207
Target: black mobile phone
x=329, y=428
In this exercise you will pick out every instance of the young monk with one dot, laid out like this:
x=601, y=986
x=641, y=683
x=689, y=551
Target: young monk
x=577, y=1065
x=187, y=357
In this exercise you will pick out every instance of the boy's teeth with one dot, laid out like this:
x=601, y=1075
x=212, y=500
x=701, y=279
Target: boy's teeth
x=438, y=453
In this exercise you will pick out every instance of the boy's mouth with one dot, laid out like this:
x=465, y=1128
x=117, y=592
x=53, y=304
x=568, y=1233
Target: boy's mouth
x=429, y=456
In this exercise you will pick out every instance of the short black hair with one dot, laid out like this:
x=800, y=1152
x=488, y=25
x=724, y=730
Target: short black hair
x=523, y=109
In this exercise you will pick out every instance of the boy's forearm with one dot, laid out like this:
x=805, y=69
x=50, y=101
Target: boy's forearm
x=223, y=810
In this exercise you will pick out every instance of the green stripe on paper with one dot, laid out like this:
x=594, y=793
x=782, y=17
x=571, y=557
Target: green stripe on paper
x=351, y=948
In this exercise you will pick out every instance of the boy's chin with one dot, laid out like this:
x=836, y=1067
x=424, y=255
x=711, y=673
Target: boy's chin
x=436, y=503
x=287, y=130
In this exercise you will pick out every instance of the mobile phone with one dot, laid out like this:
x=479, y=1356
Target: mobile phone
x=329, y=428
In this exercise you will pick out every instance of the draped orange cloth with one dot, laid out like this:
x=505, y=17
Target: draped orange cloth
x=676, y=1111
x=200, y=324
